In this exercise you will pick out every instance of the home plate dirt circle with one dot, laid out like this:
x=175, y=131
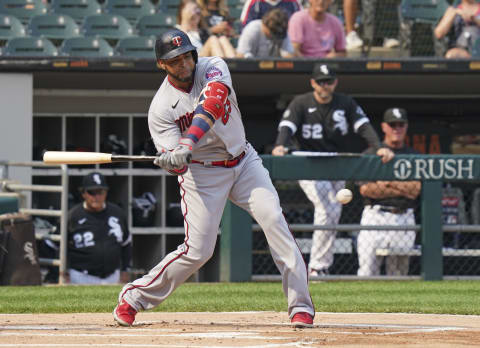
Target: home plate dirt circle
x=239, y=329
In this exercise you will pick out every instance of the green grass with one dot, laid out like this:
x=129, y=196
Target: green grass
x=453, y=297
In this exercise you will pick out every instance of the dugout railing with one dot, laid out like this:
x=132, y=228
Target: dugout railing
x=61, y=213
x=432, y=170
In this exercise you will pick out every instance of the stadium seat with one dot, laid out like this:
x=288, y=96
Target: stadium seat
x=88, y=47
x=137, y=47
x=426, y=12
x=155, y=24
x=168, y=6
x=10, y=27
x=30, y=47
x=56, y=27
x=235, y=12
x=132, y=10
x=107, y=26
x=24, y=10
x=77, y=9
x=476, y=49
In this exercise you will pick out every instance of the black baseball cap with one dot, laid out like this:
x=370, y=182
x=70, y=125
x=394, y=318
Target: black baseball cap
x=323, y=72
x=94, y=181
x=395, y=115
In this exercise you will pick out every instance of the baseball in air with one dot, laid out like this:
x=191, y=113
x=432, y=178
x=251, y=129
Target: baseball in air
x=344, y=196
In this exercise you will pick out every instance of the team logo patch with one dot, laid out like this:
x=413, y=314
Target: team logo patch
x=213, y=72
x=397, y=113
x=177, y=41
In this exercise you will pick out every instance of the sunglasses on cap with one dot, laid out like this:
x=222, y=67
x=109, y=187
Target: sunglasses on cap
x=96, y=192
x=327, y=82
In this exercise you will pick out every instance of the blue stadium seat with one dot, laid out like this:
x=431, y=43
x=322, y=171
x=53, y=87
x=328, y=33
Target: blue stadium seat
x=10, y=27
x=476, y=49
x=86, y=47
x=137, y=47
x=168, y=6
x=107, y=26
x=132, y=10
x=23, y=9
x=77, y=9
x=426, y=12
x=30, y=47
x=55, y=27
x=155, y=24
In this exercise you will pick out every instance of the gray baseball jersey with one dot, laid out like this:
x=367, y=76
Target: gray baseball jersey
x=171, y=114
x=205, y=188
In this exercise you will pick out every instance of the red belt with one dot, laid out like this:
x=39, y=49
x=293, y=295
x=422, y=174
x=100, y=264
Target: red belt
x=226, y=163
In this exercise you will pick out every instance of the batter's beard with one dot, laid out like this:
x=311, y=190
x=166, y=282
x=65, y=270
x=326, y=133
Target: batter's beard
x=183, y=79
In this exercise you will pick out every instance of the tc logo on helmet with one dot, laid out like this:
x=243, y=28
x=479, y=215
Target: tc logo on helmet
x=177, y=41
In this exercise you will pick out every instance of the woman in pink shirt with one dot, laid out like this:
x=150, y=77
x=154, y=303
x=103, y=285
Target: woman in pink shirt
x=316, y=33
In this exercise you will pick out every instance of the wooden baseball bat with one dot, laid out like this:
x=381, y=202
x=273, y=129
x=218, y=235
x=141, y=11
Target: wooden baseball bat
x=72, y=157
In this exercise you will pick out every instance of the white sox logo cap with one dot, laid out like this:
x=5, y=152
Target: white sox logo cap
x=322, y=72
x=395, y=115
x=94, y=181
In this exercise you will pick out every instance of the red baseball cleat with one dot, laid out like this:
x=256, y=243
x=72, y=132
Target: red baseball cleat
x=302, y=319
x=124, y=314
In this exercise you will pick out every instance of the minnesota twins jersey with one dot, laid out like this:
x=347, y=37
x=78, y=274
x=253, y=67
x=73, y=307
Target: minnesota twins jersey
x=172, y=109
x=323, y=127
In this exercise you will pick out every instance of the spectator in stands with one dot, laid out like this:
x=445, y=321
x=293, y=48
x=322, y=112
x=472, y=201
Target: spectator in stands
x=190, y=20
x=266, y=37
x=462, y=24
x=255, y=9
x=217, y=17
x=99, y=242
x=350, y=10
x=316, y=33
x=388, y=203
x=324, y=121
x=350, y=13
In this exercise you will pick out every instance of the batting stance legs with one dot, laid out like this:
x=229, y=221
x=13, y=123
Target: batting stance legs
x=247, y=185
x=327, y=212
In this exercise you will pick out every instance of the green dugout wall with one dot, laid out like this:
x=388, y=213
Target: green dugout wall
x=432, y=170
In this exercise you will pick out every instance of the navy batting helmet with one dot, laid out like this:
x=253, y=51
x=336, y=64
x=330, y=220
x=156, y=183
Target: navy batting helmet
x=173, y=43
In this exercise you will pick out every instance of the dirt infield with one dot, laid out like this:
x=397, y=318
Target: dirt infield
x=241, y=329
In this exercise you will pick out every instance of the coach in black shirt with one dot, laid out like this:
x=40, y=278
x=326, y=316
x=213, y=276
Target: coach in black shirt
x=325, y=121
x=99, y=242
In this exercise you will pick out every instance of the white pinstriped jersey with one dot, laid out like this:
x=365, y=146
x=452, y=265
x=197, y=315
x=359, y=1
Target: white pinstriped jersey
x=171, y=113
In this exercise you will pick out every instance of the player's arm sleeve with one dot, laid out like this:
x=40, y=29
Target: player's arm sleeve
x=291, y=120
x=367, y=132
x=164, y=134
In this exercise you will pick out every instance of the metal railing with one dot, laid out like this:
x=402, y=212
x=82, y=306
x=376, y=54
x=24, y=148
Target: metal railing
x=61, y=262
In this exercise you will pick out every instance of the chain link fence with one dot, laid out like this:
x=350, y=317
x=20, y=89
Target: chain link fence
x=396, y=28
x=394, y=253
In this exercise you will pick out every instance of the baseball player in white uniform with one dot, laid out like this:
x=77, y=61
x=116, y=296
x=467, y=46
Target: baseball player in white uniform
x=324, y=121
x=196, y=126
x=388, y=203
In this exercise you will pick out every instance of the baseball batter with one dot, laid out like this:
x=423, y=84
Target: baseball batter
x=324, y=121
x=195, y=115
x=388, y=203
